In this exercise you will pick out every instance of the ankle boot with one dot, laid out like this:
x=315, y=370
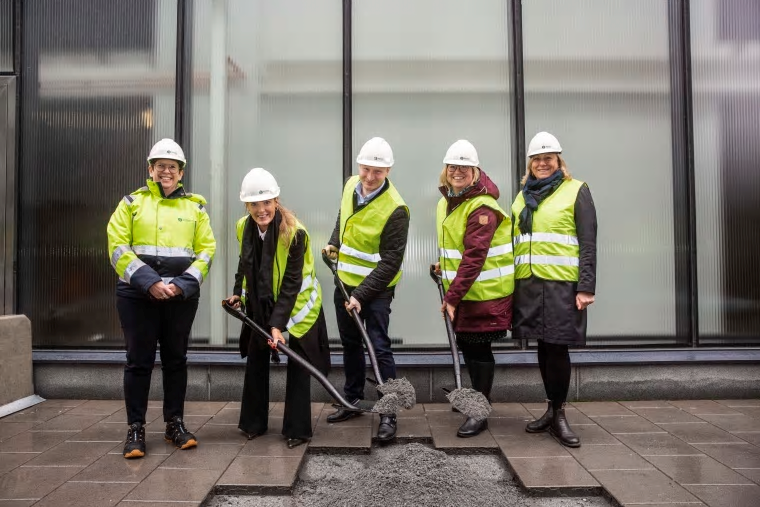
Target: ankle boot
x=542, y=424
x=481, y=375
x=560, y=428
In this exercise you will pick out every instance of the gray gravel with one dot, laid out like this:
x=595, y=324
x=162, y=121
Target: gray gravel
x=405, y=475
x=470, y=402
x=400, y=393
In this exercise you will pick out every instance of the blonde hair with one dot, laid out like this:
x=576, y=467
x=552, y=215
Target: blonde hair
x=560, y=162
x=444, y=182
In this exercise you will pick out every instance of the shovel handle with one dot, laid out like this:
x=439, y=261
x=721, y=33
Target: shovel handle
x=357, y=319
x=241, y=316
x=449, y=330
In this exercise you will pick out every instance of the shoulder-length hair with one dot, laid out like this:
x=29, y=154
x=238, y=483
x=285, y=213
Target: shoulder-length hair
x=560, y=161
x=443, y=182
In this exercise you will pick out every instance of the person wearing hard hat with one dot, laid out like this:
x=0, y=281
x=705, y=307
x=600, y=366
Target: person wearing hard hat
x=276, y=282
x=161, y=246
x=555, y=272
x=368, y=241
x=475, y=265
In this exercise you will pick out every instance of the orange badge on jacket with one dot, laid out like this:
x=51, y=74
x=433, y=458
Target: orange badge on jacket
x=483, y=219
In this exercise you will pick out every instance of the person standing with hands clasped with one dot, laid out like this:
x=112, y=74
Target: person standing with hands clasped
x=555, y=273
x=369, y=241
x=475, y=247
x=277, y=283
x=161, y=246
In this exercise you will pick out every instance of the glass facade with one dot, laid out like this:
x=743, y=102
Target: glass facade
x=265, y=85
x=726, y=88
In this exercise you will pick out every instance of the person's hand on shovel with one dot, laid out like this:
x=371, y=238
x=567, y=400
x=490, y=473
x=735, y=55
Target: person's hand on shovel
x=353, y=303
x=438, y=268
x=331, y=252
x=277, y=337
x=446, y=307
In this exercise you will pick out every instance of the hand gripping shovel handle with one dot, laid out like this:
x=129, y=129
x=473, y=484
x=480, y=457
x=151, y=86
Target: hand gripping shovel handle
x=358, y=320
x=449, y=330
x=240, y=315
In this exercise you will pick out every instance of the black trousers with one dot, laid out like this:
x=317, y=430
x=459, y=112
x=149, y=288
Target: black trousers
x=147, y=324
x=254, y=408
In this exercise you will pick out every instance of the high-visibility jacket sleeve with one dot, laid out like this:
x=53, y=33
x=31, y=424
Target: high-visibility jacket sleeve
x=123, y=259
x=204, y=246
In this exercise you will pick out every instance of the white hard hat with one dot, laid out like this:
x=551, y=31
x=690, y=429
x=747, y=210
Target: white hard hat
x=543, y=142
x=258, y=185
x=462, y=152
x=167, y=148
x=376, y=153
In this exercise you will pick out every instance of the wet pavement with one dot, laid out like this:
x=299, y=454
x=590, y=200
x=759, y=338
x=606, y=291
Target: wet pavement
x=645, y=453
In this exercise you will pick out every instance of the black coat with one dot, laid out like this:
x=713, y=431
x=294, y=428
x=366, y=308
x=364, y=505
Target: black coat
x=256, y=264
x=545, y=309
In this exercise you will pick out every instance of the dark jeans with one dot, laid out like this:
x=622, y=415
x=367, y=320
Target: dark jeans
x=376, y=317
x=147, y=324
x=254, y=408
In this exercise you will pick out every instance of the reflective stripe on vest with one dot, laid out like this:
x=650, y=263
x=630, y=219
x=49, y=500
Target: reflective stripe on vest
x=496, y=278
x=309, y=300
x=360, y=232
x=552, y=251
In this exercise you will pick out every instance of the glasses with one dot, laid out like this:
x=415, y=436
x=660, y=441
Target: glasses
x=163, y=167
x=460, y=168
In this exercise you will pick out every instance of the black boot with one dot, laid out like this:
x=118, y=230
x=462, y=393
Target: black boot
x=387, y=428
x=481, y=375
x=342, y=414
x=544, y=422
x=561, y=429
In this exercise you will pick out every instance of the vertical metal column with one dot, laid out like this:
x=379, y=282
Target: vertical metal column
x=347, y=92
x=218, y=173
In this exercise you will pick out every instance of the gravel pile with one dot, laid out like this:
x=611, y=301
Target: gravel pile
x=470, y=402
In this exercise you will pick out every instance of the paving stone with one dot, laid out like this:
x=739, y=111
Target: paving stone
x=271, y=446
x=593, y=435
x=739, y=403
x=11, y=460
x=69, y=422
x=35, y=414
x=551, y=473
x=634, y=405
x=574, y=416
x=510, y=410
x=10, y=429
x=630, y=487
x=141, y=503
x=364, y=420
x=699, y=433
x=101, y=432
x=536, y=445
x=114, y=468
x=34, y=482
x=656, y=444
x=733, y=455
x=728, y=496
x=609, y=457
x=446, y=439
x=601, y=408
x=62, y=403
x=752, y=474
x=702, y=407
x=97, y=407
x=752, y=412
x=175, y=485
x=666, y=415
x=697, y=470
x=437, y=407
x=627, y=424
x=120, y=416
x=192, y=422
x=79, y=454
x=34, y=441
x=221, y=434
x=86, y=494
x=203, y=457
x=507, y=426
x=261, y=472
x=753, y=437
x=408, y=428
x=446, y=419
x=17, y=503
x=733, y=422
x=226, y=416
x=208, y=408
x=337, y=436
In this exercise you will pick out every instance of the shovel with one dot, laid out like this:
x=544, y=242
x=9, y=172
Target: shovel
x=397, y=393
x=241, y=316
x=467, y=401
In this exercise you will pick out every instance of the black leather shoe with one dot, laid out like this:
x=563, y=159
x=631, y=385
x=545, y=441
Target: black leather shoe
x=561, y=430
x=295, y=442
x=342, y=414
x=472, y=427
x=387, y=428
x=542, y=423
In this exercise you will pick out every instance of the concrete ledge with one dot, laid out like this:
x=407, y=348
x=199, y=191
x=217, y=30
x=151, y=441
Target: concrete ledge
x=512, y=383
x=16, y=380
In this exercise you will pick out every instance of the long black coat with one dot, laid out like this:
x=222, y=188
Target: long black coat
x=256, y=264
x=545, y=309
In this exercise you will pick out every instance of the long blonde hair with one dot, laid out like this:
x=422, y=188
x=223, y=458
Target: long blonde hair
x=444, y=182
x=560, y=162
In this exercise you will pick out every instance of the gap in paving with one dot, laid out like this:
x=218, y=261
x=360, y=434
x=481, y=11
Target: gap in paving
x=408, y=474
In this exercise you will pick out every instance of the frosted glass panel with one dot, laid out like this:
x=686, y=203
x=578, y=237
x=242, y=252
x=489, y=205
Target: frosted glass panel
x=6, y=35
x=422, y=79
x=726, y=88
x=597, y=76
x=96, y=95
x=283, y=112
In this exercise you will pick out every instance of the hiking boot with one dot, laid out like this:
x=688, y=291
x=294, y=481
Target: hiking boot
x=177, y=434
x=387, y=428
x=560, y=428
x=135, y=444
x=542, y=423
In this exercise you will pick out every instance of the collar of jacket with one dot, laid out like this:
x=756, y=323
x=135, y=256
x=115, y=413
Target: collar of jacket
x=158, y=190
